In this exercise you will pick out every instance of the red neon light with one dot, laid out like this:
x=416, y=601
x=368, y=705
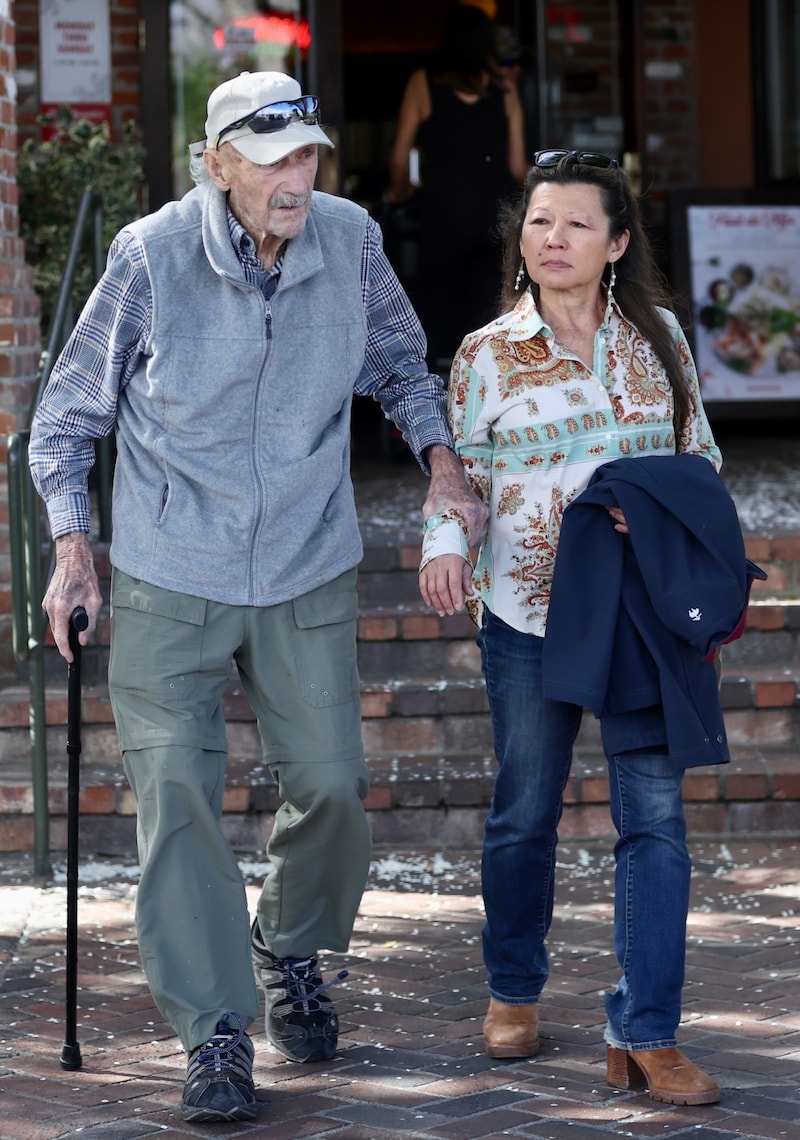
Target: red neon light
x=271, y=29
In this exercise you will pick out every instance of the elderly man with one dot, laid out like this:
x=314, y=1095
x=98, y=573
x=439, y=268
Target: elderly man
x=223, y=345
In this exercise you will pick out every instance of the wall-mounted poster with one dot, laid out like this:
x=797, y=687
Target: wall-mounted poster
x=745, y=287
x=75, y=40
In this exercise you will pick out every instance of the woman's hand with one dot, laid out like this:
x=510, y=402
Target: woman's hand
x=619, y=520
x=445, y=582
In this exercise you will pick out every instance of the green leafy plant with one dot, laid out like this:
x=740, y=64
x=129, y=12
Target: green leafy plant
x=51, y=177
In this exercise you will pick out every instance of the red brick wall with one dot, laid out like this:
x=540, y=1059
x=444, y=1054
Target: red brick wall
x=669, y=99
x=124, y=20
x=20, y=335
x=582, y=42
x=590, y=75
x=19, y=315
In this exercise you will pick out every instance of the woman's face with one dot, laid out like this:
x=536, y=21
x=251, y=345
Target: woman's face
x=565, y=238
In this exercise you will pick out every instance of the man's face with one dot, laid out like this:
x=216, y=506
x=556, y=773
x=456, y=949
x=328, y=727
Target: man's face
x=270, y=201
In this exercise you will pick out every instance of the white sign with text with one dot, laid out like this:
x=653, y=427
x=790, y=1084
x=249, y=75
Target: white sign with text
x=75, y=39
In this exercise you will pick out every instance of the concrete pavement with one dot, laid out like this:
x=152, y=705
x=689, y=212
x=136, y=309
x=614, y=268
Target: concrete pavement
x=411, y=1062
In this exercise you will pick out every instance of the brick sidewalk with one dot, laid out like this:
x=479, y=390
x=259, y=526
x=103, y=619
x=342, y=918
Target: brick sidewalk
x=411, y=1062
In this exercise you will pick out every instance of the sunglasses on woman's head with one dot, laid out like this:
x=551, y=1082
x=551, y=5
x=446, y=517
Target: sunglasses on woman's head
x=276, y=117
x=545, y=159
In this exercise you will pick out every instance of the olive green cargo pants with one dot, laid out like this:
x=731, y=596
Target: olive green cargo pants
x=170, y=662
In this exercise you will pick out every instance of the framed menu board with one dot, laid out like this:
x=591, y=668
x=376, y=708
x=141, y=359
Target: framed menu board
x=738, y=269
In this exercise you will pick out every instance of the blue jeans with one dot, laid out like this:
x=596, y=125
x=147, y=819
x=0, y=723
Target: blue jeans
x=533, y=744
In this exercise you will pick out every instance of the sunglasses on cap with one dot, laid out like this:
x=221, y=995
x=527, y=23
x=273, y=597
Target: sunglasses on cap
x=276, y=117
x=547, y=158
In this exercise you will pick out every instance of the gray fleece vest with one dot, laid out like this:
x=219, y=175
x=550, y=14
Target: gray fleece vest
x=232, y=479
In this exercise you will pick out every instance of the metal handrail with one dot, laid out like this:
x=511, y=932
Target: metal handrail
x=29, y=628
x=31, y=556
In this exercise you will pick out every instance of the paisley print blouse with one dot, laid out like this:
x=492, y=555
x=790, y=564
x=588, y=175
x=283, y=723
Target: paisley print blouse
x=531, y=422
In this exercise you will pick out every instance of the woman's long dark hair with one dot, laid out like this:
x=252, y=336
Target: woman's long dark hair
x=639, y=287
x=467, y=51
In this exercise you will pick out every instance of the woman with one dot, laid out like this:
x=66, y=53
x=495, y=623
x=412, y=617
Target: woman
x=585, y=365
x=468, y=124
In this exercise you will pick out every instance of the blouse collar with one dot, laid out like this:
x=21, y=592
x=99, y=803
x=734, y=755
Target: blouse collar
x=525, y=321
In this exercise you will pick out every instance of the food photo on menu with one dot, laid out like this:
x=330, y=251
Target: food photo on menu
x=746, y=296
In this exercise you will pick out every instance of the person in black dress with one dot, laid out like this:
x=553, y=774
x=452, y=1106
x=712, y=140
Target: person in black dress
x=467, y=121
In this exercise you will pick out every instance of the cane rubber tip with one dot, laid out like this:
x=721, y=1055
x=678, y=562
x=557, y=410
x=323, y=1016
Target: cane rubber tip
x=71, y=1057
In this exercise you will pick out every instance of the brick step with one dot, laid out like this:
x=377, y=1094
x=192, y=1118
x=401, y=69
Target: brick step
x=426, y=728
x=414, y=800
x=771, y=693
x=399, y=635
x=779, y=556
x=398, y=588
x=408, y=640
x=388, y=571
x=771, y=636
x=429, y=748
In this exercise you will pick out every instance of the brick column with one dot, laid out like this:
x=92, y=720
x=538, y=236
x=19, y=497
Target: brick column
x=20, y=336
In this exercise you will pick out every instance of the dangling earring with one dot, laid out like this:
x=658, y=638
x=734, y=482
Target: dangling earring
x=611, y=281
x=520, y=275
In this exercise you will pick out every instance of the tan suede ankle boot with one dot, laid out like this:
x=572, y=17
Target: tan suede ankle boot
x=667, y=1075
x=511, y=1030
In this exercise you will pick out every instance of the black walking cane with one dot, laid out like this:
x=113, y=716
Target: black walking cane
x=71, y=1050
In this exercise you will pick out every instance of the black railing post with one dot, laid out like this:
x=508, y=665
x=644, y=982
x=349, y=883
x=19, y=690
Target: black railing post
x=62, y=314
x=28, y=558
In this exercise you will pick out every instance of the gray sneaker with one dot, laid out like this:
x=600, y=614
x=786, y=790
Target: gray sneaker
x=300, y=1019
x=219, y=1076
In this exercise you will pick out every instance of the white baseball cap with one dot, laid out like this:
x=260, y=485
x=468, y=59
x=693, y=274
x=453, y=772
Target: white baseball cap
x=288, y=120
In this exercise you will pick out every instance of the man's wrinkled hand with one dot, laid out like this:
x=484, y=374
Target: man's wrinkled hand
x=450, y=491
x=74, y=583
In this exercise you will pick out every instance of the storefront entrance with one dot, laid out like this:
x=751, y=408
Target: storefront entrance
x=357, y=55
